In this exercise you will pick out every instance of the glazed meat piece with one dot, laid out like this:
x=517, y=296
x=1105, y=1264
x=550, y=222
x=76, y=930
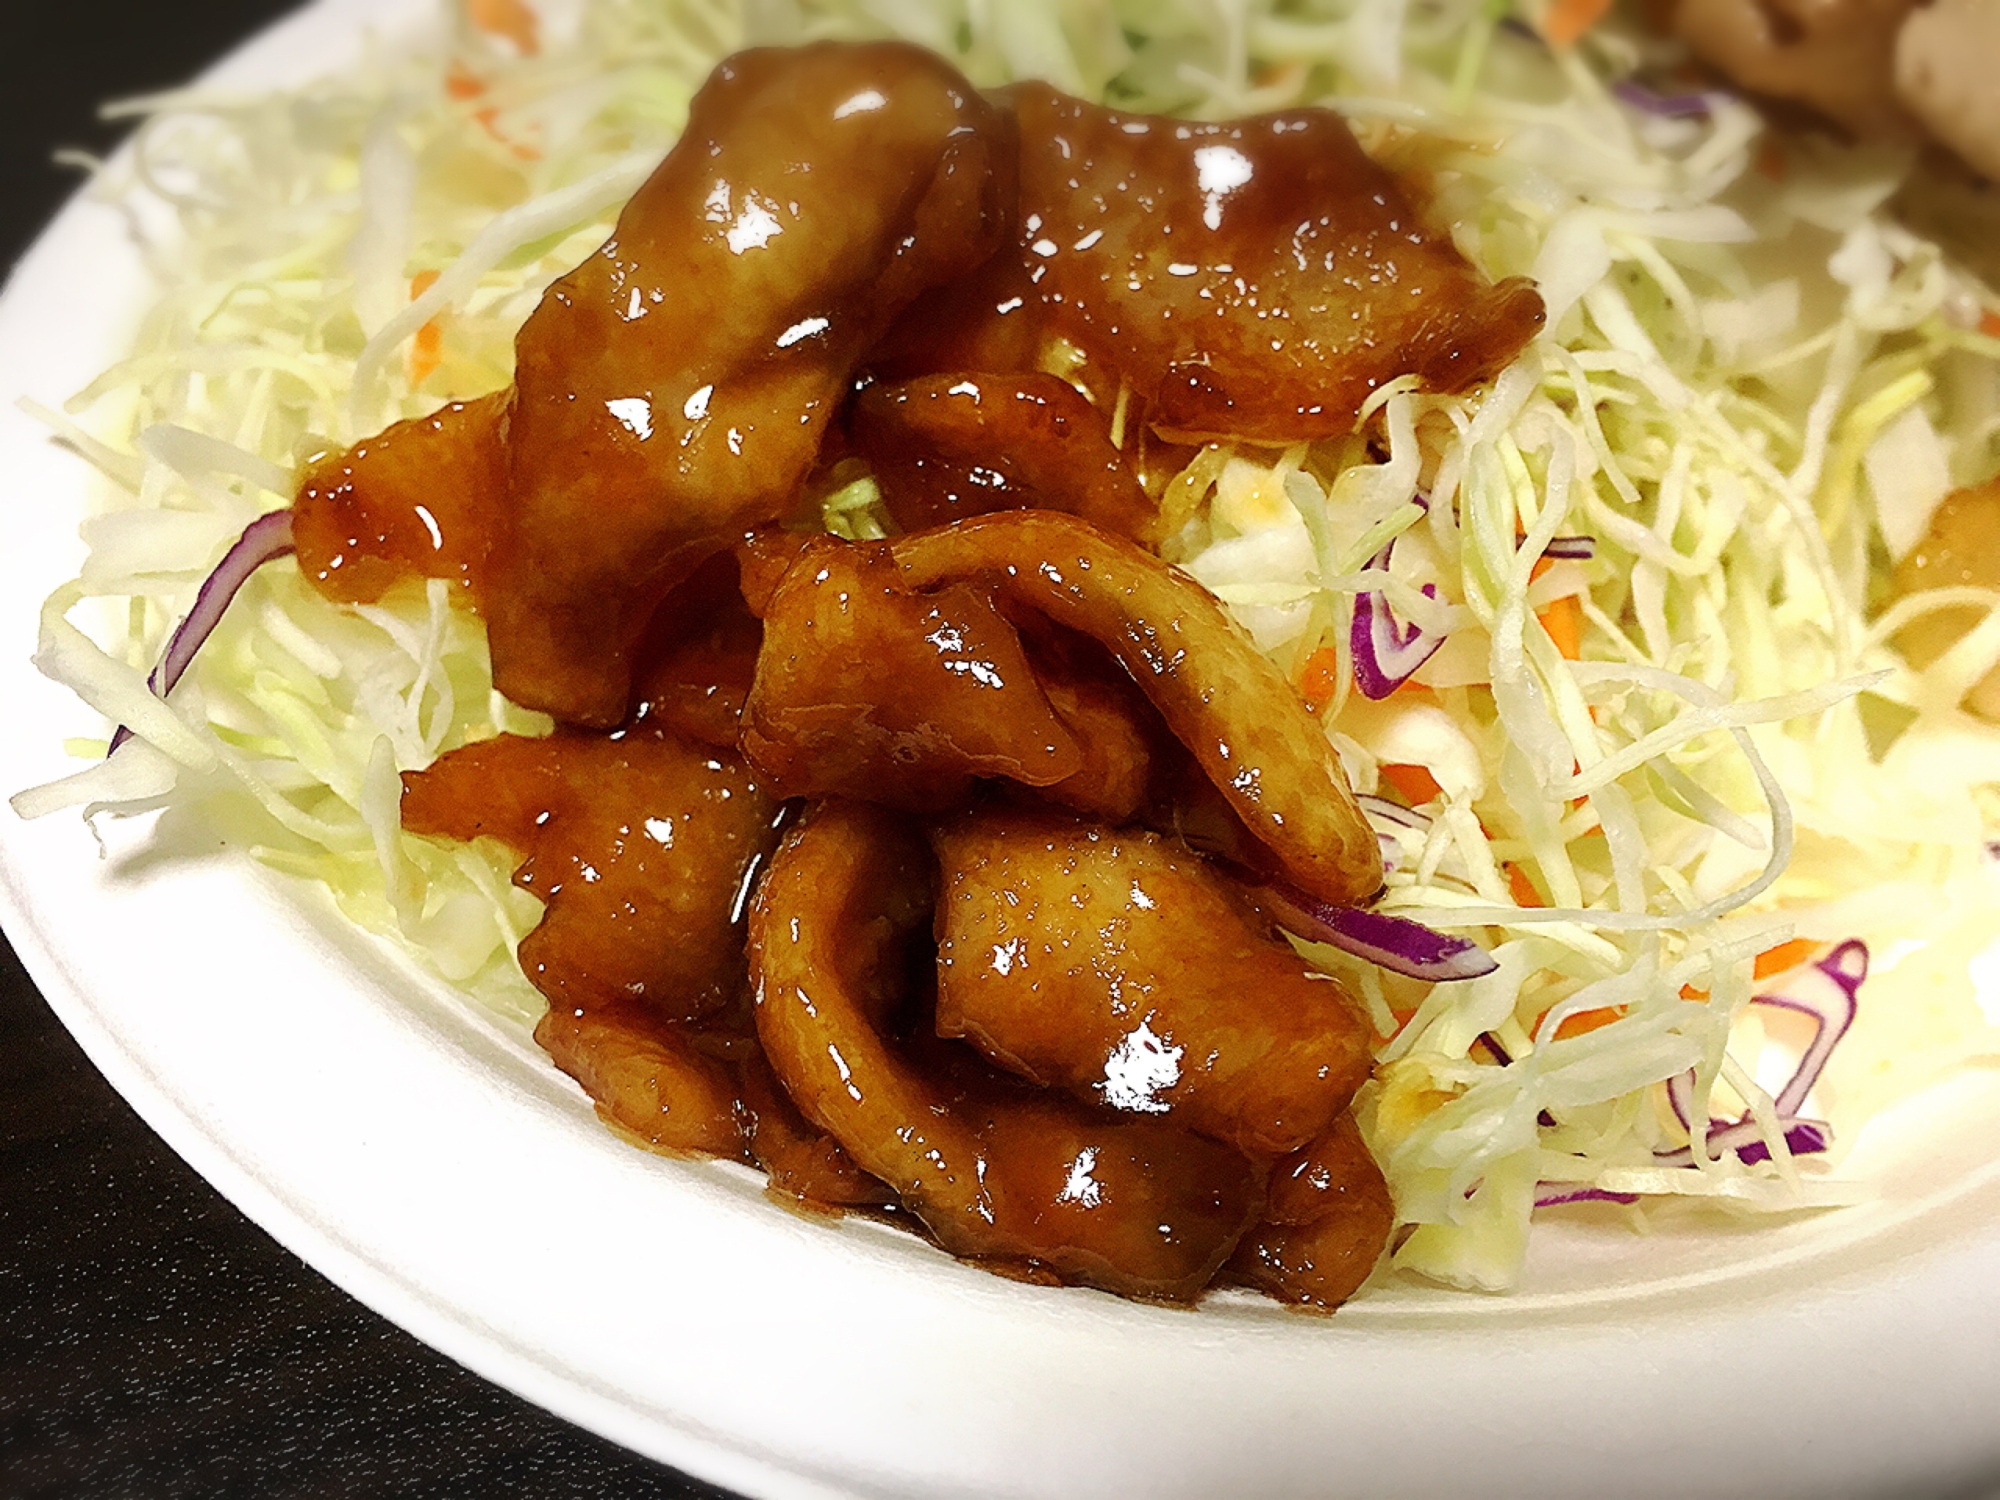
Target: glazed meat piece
x=408, y=503
x=986, y=322
x=701, y=654
x=866, y=689
x=1128, y=971
x=1117, y=733
x=1220, y=697
x=641, y=845
x=1960, y=550
x=982, y=321
x=944, y=447
x=764, y=557
x=871, y=690
x=646, y=1078
x=1252, y=279
x=1112, y=782
x=992, y=1169
x=1838, y=56
x=672, y=391
x=1329, y=1218
x=803, y=1163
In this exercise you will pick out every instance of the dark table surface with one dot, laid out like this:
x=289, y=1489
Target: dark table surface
x=153, y=1341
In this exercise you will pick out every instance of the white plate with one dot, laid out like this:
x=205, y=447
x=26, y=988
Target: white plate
x=435, y=1166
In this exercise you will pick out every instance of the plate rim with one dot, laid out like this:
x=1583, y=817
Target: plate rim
x=725, y=1458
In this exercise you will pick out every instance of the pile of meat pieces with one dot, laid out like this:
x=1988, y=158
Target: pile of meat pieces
x=987, y=984
x=842, y=216
x=924, y=872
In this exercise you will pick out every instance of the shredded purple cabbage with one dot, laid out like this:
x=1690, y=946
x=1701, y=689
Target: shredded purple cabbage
x=1380, y=811
x=1829, y=991
x=1394, y=943
x=1666, y=106
x=1505, y=1058
x=1746, y=1138
x=1574, y=548
x=267, y=537
x=1385, y=810
x=1549, y=1194
x=1387, y=654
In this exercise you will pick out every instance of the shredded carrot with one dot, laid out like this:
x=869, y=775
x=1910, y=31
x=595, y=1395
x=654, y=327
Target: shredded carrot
x=1587, y=1021
x=1779, y=960
x=489, y=117
x=460, y=83
x=511, y=19
x=1270, y=75
x=1565, y=21
x=1582, y=1023
x=427, y=349
x=1321, y=678
x=1989, y=323
x=1522, y=888
x=1414, y=784
x=1402, y=1016
x=1784, y=957
x=1563, y=620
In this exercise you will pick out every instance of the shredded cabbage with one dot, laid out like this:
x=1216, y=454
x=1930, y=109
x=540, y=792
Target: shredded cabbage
x=1754, y=387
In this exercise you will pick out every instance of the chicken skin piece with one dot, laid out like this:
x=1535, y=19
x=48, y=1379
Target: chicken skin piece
x=1254, y=279
x=1328, y=1221
x=948, y=446
x=641, y=846
x=1220, y=697
x=994, y=1170
x=672, y=391
x=1112, y=964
